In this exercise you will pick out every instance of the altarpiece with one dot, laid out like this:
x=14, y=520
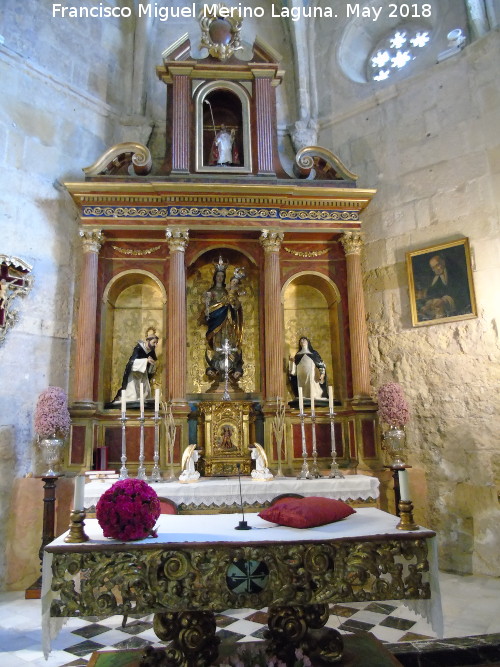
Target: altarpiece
x=216, y=236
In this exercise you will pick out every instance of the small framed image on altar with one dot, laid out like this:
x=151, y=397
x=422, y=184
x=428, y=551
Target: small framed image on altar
x=440, y=283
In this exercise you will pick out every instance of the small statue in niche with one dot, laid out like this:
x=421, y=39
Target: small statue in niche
x=261, y=472
x=189, y=459
x=140, y=368
x=224, y=151
x=307, y=370
x=224, y=318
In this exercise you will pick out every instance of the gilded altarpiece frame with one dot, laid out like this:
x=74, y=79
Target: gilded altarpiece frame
x=224, y=432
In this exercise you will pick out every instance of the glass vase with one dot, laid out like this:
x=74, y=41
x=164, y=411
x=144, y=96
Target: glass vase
x=394, y=440
x=51, y=452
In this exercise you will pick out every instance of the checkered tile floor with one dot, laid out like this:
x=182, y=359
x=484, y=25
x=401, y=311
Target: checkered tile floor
x=470, y=607
x=79, y=638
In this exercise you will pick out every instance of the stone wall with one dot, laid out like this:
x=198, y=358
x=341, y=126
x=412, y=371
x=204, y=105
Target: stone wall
x=61, y=83
x=431, y=147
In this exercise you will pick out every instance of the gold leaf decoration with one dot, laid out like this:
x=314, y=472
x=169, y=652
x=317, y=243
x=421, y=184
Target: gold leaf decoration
x=306, y=253
x=136, y=253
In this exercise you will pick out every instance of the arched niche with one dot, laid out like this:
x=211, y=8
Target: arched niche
x=311, y=308
x=199, y=280
x=133, y=303
x=217, y=103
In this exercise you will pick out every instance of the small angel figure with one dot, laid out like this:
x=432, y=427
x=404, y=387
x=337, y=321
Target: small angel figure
x=261, y=472
x=189, y=458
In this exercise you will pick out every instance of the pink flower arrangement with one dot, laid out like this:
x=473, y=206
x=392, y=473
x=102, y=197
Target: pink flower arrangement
x=392, y=406
x=128, y=510
x=52, y=416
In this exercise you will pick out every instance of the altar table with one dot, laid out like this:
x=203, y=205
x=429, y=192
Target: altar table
x=217, y=494
x=199, y=565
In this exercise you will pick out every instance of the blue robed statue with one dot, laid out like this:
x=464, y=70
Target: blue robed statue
x=224, y=318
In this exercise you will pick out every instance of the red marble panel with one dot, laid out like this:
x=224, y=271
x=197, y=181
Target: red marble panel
x=352, y=440
x=77, y=450
x=297, y=441
x=368, y=433
x=113, y=440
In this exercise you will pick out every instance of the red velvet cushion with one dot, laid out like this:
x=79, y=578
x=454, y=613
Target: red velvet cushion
x=307, y=512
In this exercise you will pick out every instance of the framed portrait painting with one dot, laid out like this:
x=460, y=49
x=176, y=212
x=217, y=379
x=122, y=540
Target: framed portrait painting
x=440, y=283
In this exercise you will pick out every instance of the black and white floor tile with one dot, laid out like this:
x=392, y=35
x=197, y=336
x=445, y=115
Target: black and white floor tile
x=391, y=622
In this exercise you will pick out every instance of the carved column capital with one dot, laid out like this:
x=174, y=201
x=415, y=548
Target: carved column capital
x=92, y=240
x=178, y=239
x=271, y=241
x=352, y=242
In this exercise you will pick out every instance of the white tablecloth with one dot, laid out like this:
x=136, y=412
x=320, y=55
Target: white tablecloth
x=225, y=491
x=177, y=529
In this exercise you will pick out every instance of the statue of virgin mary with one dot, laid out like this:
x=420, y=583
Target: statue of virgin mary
x=224, y=318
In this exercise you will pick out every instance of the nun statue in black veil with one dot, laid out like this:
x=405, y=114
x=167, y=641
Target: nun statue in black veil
x=307, y=370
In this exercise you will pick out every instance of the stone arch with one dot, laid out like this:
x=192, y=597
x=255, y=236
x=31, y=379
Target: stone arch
x=311, y=307
x=133, y=301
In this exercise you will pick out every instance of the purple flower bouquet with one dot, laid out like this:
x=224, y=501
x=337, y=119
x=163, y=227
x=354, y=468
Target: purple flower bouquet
x=128, y=510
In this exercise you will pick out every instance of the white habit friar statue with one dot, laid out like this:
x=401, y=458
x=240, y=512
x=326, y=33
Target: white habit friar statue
x=261, y=472
x=189, y=458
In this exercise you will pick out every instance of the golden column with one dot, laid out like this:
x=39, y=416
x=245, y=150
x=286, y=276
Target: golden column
x=176, y=339
x=92, y=241
x=352, y=243
x=273, y=320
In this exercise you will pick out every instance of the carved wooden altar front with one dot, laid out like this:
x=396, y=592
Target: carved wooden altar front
x=152, y=228
x=196, y=568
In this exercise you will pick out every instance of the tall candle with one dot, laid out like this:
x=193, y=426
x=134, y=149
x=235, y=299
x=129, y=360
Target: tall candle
x=141, y=398
x=404, y=485
x=79, y=497
x=124, y=404
x=157, y=400
x=301, y=401
x=312, y=395
x=330, y=398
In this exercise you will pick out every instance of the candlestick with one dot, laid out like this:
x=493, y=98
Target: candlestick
x=123, y=469
x=301, y=401
x=311, y=390
x=124, y=404
x=141, y=470
x=406, y=521
x=314, y=466
x=76, y=528
x=330, y=398
x=157, y=401
x=141, y=398
x=79, y=494
x=334, y=466
x=404, y=485
x=156, y=472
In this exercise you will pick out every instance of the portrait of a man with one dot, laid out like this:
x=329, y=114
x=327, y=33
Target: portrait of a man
x=440, y=283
